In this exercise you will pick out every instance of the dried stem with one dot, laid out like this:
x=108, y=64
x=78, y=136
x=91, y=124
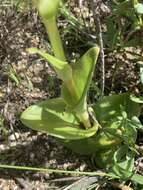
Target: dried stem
x=95, y=5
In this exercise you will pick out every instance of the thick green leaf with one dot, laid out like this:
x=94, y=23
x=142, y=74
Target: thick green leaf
x=63, y=69
x=82, y=74
x=49, y=116
x=139, y=8
x=123, y=162
x=108, y=110
x=99, y=142
x=112, y=106
x=138, y=100
x=137, y=178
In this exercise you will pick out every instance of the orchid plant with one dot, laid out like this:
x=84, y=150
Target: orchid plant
x=109, y=125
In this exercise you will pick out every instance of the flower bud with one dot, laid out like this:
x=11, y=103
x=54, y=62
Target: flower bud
x=47, y=8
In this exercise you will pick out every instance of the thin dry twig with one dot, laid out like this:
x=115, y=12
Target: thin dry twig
x=95, y=5
x=6, y=113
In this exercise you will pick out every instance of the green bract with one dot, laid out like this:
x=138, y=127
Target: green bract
x=62, y=68
x=82, y=74
x=47, y=8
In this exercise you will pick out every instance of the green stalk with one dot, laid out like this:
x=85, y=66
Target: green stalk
x=81, y=113
x=46, y=170
x=48, y=11
x=55, y=39
x=57, y=47
x=84, y=118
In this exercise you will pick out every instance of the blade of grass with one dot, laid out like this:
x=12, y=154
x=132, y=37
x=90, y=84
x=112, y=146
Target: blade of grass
x=46, y=170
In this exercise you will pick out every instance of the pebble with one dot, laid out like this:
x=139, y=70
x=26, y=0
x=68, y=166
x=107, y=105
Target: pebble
x=2, y=147
x=32, y=155
x=82, y=167
x=52, y=154
x=13, y=136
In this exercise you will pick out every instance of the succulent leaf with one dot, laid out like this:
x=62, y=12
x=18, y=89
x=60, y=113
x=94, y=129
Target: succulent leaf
x=49, y=116
x=82, y=74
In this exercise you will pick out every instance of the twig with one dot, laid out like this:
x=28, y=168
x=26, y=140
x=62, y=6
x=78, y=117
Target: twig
x=46, y=170
x=95, y=8
x=6, y=113
x=101, y=55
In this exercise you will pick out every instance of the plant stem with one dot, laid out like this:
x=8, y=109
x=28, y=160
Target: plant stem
x=46, y=170
x=55, y=39
x=84, y=118
x=83, y=114
x=58, y=50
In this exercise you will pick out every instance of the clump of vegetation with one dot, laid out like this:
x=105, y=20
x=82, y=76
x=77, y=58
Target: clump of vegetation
x=108, y=129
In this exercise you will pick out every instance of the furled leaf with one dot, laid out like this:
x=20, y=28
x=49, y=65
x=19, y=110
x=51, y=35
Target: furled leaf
x=82, y=74
x=63, y=69
x=49, y=116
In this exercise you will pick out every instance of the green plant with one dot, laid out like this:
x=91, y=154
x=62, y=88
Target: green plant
x=13, y=75
x=107, y=130
x=124, y=25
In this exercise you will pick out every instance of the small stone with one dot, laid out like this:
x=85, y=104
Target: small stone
x=2, y=147
x=65, y=166
x=82, y=167
x=13, y=137
x=52, y=154
x=32, y=155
